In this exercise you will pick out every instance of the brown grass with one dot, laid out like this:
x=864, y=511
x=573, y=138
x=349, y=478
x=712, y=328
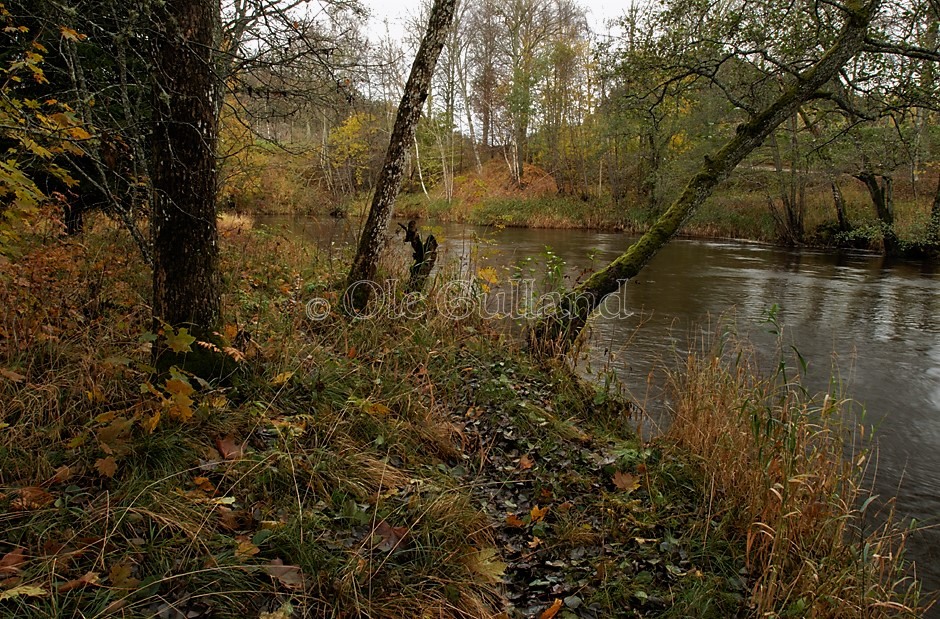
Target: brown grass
x=784, y=474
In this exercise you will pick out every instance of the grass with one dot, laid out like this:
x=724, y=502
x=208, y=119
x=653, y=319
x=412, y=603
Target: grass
x=783, y=476
x=385, y=468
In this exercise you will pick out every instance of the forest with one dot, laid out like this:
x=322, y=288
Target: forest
x=204, y=416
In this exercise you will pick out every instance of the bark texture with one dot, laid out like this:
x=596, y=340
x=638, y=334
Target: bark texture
x=555, y=334
x=185, y=239
x=389, y=182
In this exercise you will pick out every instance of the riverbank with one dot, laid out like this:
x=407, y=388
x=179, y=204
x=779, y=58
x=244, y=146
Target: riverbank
x=391, y=468
x=745, y=207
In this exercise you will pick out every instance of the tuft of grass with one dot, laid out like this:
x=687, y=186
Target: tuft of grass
x=783, y=477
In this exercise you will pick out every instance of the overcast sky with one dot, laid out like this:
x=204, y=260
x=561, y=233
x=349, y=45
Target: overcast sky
x=397, y=11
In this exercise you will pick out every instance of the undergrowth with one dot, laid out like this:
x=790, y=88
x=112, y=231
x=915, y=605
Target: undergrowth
x=393, y=467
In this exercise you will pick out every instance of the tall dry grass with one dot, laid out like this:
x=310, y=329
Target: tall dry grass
x=784, y=473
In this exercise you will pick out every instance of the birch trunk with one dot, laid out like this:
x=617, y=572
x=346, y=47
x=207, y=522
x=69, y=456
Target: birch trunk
x=409, y=111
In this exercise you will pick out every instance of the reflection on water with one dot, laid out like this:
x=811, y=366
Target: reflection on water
x=872, y=322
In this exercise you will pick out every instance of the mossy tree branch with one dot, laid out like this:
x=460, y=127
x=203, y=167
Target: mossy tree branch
x=554, y=334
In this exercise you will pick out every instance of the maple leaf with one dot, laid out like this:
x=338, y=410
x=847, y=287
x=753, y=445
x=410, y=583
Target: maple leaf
x=626, y=482
x=486, y=563
x=514, y=521
x=107, y=467
x=178, y=388
x=552, y=610
x=538, y=514
x=150, y=423
x=120, y=576
x=526, y=463
x=180, y=342
x=204, y=484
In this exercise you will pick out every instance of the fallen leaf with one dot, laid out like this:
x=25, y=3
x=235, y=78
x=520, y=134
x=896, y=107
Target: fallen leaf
x=282, y=378
x=107, y=467
x=11, y=561
x=536, y=541
x=286, y=611
x=204, y=484
x=27, y=590
x=62, y=474
x=626, y=482
x=538, y=514
x=393, y=538
x=552, y=610
x=514, y=521
x=246, y=548
x=31, y=498
x=228, y=448
x=178, y=388
x=11, y=375
x=90, y=578
x=150, y=423
x=120, y=576
x=525, y=462
x=486, y=563
x=289, y=575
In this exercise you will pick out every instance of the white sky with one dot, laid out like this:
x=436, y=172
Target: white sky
x=397, y=11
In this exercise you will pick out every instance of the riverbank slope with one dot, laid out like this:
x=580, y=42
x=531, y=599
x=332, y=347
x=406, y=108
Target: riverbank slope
x=394, y=467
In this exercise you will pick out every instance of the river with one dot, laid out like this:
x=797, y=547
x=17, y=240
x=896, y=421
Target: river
x=871, y=321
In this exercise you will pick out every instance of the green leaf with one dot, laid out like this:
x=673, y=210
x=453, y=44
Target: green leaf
x=180, y=342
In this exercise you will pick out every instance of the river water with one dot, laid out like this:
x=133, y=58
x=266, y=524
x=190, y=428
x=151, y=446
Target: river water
x=873, y=322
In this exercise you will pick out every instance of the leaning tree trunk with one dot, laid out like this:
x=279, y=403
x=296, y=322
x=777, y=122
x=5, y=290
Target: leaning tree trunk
x=555, y=333
x=185, y=130
x=409, y=111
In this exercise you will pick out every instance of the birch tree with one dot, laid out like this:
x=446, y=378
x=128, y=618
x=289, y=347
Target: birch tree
x=365, y=263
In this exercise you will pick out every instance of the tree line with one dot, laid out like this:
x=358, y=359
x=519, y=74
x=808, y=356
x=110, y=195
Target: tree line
x=135, y=108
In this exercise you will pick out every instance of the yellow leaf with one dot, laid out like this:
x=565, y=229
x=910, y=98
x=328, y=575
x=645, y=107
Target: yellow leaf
x=537, y=514
x=178, y=388
x=150, y=423
x=79, y=134
x=71, y=34
x=106, y=466
x=245, y=547
x=282, y=378
x=120, y=576
x=24, y=590
x=486, y=563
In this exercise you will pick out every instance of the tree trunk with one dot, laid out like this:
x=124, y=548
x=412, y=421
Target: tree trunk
x=185, y=131
x=882, y=197
x=389, y=182
x=934, y=233
x=555, y=333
